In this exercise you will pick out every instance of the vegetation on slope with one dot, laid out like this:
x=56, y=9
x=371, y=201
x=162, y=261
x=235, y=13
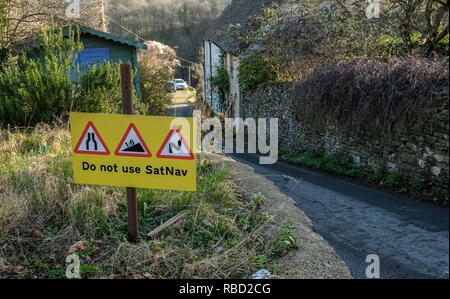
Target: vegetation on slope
x=43, y=214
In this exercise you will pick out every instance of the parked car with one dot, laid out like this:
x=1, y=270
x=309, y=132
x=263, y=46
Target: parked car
x=171, y=86
x=181, y=84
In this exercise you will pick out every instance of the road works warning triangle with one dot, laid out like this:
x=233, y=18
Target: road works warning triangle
x=91, y=143
x=175, y=147
x=132, y=144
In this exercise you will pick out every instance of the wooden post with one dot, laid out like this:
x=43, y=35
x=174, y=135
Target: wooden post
x=127, y=108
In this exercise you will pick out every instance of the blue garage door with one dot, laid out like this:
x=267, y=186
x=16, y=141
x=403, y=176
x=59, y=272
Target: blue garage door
x=91, y=56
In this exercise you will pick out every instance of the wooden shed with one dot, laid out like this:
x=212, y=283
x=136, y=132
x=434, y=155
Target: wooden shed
x=98, y=46
x=102, y=46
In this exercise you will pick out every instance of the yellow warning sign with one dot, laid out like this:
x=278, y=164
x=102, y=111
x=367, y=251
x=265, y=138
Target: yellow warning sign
x=118, y=150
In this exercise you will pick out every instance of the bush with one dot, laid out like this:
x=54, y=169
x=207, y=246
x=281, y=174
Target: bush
x=157, y=67
x=254, y=70
x=304, y=38
x=285, y=241
x=375, y=96
x=221, y=81
x=34, y=90
x=98, y=89
x=154, y=92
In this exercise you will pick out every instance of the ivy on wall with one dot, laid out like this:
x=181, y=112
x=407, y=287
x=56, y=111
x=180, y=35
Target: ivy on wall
x=221, y=82
x=254, y=70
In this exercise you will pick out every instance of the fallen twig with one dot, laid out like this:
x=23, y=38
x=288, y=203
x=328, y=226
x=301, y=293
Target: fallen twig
x=153, y=234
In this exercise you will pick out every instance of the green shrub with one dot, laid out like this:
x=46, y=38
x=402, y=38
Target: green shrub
x=395, y=179
x=286, y=240
x=153, y=88
x=442, y=46
x=440, y=193
x=34, y=90
x=221, y=80
x=254, y=70
x=28, y=94
x=98, y=90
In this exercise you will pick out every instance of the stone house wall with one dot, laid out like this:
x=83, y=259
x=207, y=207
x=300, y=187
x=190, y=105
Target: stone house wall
x=212, y=63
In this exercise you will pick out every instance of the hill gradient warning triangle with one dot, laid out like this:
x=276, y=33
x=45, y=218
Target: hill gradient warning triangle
x=91, y=143
x=132, y=144
x=175, y=147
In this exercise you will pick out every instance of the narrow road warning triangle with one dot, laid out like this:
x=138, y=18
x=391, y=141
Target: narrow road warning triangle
x=175, y=147
x=91, y=143
x=132, y=144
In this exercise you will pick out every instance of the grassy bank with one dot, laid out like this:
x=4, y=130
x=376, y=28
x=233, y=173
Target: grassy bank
x=345, y=167
x=184, y=96
x=43, y=214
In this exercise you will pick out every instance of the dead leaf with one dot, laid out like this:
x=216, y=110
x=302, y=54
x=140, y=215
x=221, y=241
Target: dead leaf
x=35, y=233
x=56, y=146
x=3, y=265
x=148, y=276
x=79, y=246
x=180, y=224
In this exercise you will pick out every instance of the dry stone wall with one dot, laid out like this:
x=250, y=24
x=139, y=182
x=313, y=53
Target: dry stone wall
x=420, y=156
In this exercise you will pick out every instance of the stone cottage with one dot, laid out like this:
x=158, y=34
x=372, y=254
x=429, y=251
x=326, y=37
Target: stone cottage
x=222, y=47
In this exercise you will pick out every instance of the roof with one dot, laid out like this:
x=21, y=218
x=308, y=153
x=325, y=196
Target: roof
x=236, y=14
x=108, y=36
x=31, y=44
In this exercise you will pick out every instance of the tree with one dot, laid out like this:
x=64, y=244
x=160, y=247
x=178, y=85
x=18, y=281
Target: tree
x=3, y=14
x=177, y=23
x=429, y=18
x=300, y=40
x=156, y=67
x=21, y=19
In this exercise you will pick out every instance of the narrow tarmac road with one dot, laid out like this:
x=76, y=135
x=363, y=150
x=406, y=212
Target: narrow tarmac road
x=411, y=238
x=181, y=110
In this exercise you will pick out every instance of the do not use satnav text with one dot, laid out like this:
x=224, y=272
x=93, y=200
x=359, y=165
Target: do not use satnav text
x=149, y=169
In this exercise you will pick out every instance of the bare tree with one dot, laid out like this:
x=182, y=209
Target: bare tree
x=427, y=17
x=24, y=17
x=436, y=22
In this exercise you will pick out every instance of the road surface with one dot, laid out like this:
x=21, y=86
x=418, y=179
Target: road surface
x=181, y=110
x=410, y=238
x=358, y=221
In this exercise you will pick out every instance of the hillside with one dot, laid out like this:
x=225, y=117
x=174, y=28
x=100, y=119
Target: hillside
x=179, y=24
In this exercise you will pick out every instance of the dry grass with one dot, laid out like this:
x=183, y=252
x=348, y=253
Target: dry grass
x=184, y=96
x=43, y=213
